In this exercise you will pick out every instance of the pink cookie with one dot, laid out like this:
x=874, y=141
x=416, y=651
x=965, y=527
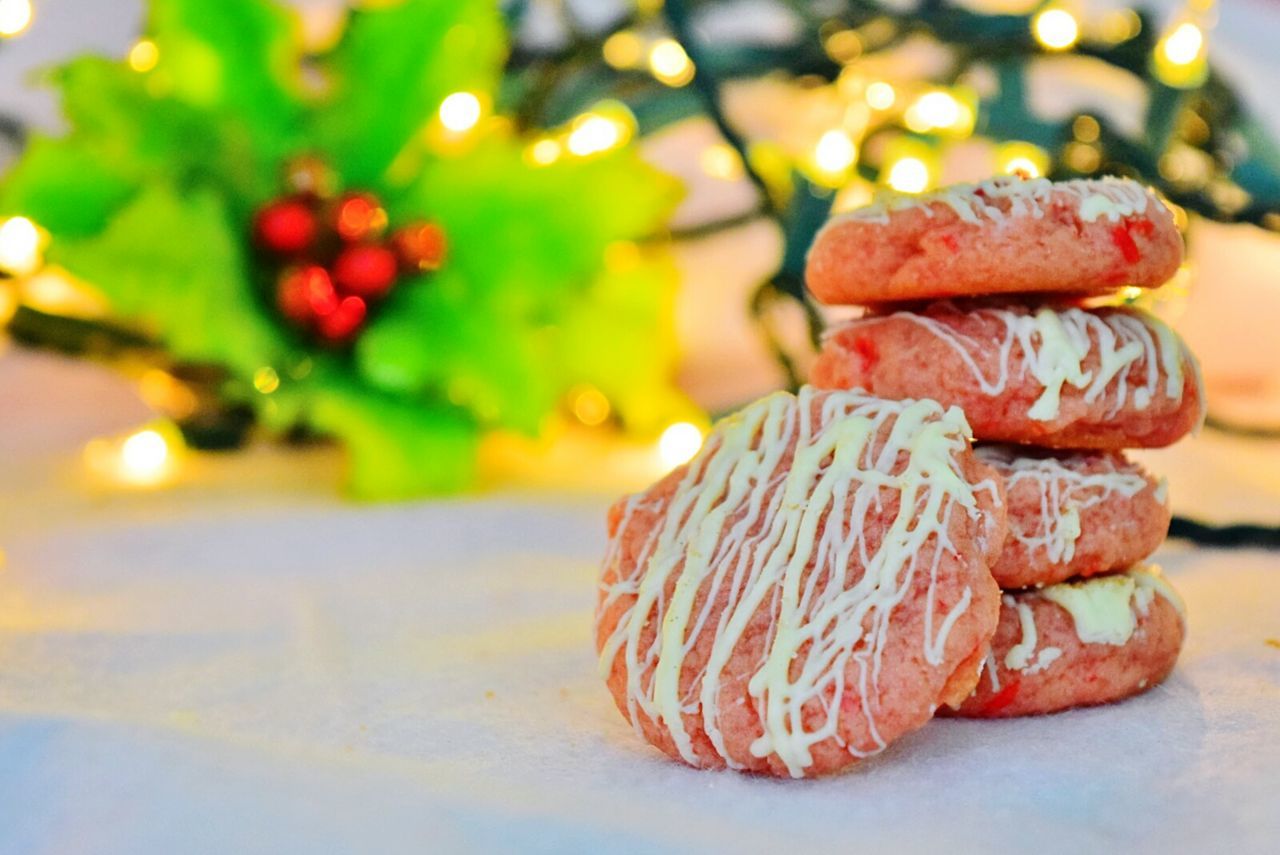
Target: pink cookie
x=1003, y=236
x=1079, y=644
x=807, y=589
x=1064, y=377
x=1074, y=514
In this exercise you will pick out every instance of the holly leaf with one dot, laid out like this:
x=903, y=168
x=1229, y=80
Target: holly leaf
x=526, y=244
x=239, y=59
x=393, y=68
x=620, y=337
x=65, y=187
x=437, y=337
x=172, y=264
x=397, y=448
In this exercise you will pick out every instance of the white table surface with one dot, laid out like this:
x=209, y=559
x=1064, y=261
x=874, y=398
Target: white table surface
x=244, y=663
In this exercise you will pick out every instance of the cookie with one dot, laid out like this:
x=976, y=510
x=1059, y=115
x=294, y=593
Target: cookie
x=807, y=589
x=1064, y=377
x=1079, y=644
x=1004, y=236
x=1074, y=514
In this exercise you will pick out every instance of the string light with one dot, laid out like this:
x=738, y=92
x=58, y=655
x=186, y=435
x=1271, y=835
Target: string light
x=19, y=246
x=1182, y=46
x=1180, y=59
x=835, y=153
x=607, y=126
x=15, y=16
x=623, y=49
x=544, y=152
x=939, y=110
x=678, y=444
x=266, y=380
x=143, y=56
x=1055, y=29
x=145, y=458
x=590, y=406
x=460, y=112
x=881, y=95
x=669, y=62
x=909, y=175
x=1022, y=158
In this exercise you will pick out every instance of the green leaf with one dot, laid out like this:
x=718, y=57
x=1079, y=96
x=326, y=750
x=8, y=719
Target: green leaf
x=526, y=245
x=397, y=448
x=237, y=58
x=620, y=337
x=172, y=263
x=435, y=337
x=65, y=187
x=392, y=69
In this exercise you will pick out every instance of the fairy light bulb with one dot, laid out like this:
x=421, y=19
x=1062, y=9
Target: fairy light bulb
x=143, y=56
x=669, y=62
x=19, y=246
x=679, y=443
x=1022, y=158
x=880, y=95
x=1055, y=29
x=835, y=152
x=460, y=112
x=1182, y=46
x=909, y=175
x=15, y=17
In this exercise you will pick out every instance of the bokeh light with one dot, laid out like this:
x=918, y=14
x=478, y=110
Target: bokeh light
x=679, y=443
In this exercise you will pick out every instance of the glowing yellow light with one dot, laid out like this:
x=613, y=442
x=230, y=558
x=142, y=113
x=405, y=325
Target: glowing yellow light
x=166, y=393
x=15, y=16
x=1022, y=158
x=623, y=49
x=881, y=95
x=593, y=133
x=1056, y=29
x=590, y=406
x=1120, y=25
x=679, y=443
x=1022, y=166
x=909, y=175
x=19, y=246
x=939, y=110
x=544, y=152
x=144, y=454
x=143, y=56
x=721, y=161
x=669, y=63
x=835, y=152
x=1082, y=157
x=1183, y=45
x=266, y=380
x=460, y=112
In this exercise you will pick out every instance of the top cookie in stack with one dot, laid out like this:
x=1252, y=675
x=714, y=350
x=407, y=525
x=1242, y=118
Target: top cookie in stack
x=977, y=297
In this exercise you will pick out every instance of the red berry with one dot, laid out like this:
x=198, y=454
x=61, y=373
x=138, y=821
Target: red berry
x=367, y=270
x=344, y=322
x=285, y=227
x=358, y=217
x=306, y=294
x=421, y=246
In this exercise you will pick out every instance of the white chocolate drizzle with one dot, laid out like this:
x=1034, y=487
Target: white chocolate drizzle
x=1109, y=197
x=1105, y=609
x=753, y=529
x=1055, y=347
x=1065, y=493
x=1024, y=656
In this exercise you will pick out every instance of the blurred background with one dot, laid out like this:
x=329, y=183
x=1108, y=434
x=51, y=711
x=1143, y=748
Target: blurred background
x=482, y=244
x=260, y=259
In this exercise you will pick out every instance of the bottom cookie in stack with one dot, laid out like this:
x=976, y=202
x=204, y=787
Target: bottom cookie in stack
x=1078, y=644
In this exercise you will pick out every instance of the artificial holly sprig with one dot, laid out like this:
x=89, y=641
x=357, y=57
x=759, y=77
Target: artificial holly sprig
x=174, y=195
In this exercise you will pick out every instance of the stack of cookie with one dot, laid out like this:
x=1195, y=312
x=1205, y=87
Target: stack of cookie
x=978, y=297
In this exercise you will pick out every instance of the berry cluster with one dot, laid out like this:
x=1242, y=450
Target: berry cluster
x=335, y=260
